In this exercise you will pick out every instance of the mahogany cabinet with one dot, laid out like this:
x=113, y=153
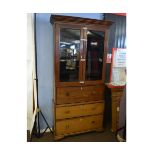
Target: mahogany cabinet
x=80, y=48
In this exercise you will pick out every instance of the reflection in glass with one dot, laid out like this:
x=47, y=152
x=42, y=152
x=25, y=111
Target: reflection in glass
x=94, y=57
x=69, y=48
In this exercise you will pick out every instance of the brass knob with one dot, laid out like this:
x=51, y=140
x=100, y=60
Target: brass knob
x=67, y=112
x=93, y=108
x=93, y=122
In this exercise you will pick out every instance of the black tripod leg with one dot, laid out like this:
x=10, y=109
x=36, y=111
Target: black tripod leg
x=46, y=122
x=44, y=131
x=38, y=133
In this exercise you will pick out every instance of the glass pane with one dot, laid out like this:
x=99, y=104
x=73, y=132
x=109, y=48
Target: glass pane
x=69, y=48
x=94, y=57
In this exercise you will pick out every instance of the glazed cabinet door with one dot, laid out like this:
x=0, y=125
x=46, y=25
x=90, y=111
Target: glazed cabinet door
x=80, y=55
x=69, y=49
x=94, y=53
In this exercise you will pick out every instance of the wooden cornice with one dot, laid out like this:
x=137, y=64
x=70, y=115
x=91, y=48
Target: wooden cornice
x=78, y=20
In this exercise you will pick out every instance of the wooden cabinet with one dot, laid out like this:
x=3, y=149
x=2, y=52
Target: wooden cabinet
x=116, y=94
x=80, y=48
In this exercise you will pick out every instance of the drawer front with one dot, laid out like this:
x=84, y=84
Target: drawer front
x=116, y=99
x=80, y=124
x=117, y=93
x=79, y=94
x=115, y=112
x=79, y=110
x=115, y=117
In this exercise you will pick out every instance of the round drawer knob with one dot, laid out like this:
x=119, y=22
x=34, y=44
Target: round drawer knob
x=94, y=108
x=92, y=122
x=67, y=94
x=67, y=112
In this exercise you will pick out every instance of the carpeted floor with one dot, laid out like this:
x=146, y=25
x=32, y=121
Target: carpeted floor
x=106, y=136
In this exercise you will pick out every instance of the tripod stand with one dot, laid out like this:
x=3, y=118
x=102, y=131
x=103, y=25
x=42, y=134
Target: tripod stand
x=39, y=113
x=37, y=121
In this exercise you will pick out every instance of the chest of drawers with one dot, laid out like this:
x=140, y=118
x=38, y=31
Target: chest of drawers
x=78, y=114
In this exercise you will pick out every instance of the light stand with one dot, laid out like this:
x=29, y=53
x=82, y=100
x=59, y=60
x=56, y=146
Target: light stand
x=39, y=112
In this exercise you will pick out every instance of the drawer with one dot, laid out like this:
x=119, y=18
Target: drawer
x=117, y=94
x=79, y=94
x=80, y=124
x=116, y=99
x=116, y=103
x=115, y=117
x=117, y=89
x=79, y=110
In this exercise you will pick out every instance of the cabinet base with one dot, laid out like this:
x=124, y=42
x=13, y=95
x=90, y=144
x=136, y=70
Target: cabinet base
x=58, y=137
x=99, y=130
x=113, y=130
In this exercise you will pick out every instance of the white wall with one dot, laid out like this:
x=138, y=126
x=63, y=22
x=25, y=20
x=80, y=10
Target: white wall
x=30, y=71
